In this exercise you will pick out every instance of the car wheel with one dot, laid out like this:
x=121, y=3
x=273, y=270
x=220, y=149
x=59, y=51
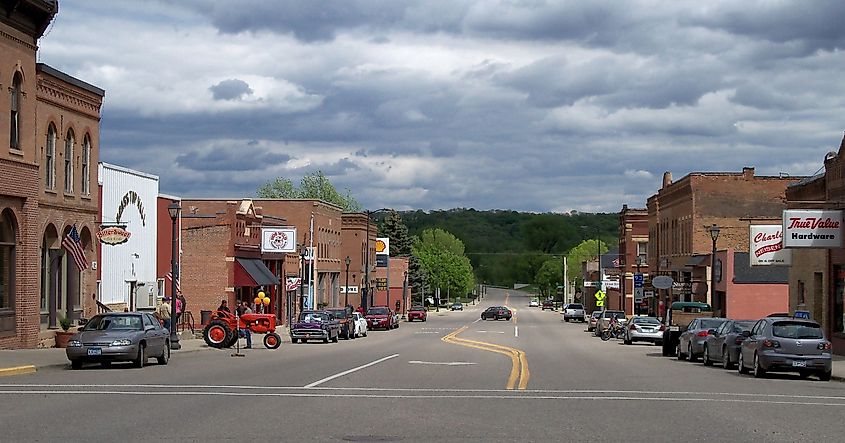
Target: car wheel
x=759, y=372
x=705, y=357
x=690, y=356
x=165, y=355
x=678, y=354
x=142, y=357
x=740, y=365
x=825, y=376
x=76, y=364
x=726, y=359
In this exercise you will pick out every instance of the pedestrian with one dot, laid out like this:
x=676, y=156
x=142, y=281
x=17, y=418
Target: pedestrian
x=163, y=312
x=245, y=332
x=224, y=306
x=181, y=298
x=179, y=310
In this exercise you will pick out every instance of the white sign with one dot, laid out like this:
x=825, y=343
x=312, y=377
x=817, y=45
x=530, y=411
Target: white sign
x=383, y=246
x=638, y=294
x=611, y=284
x=278, y=240
x=812, y=228
x=649, y=294
x=352, y=289
x=767, y=246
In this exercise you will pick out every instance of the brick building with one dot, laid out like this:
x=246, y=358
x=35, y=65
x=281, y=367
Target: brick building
x=633, y=257
x=397, y=283
x=353, y=239
x=681, y=212
x=50, y=149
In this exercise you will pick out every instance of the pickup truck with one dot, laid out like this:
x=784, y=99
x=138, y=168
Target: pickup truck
x=315, y=325
x=344, y=317
x=574, y=311
x=680, y=316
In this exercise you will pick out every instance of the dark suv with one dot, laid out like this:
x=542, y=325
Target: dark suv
x=496, y=312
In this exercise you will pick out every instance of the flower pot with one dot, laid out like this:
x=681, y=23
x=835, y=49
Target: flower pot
x=62, y=338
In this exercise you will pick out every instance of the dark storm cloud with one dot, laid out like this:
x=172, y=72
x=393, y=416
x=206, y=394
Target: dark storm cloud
x=231, y=89
x=231, y=158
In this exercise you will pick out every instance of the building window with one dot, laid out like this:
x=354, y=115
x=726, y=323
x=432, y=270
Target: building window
x=839, y=290
x=801, y=295
x=69, y=162
x=14, y=126
x=50, y=162
x=642, y=251
x=7, y=272
x=86, y=158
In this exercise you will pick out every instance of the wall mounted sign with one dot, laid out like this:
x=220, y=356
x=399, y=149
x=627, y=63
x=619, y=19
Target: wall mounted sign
x=812, y=228
x=662, y=282
x=278, y=240
x=131, y=197
x=766, y=247
x=382, y=246
x=292, y=283
x=113, y=235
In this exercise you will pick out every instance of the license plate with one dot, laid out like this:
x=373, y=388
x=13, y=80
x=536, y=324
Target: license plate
x=799, y=364
x=648, y=330
x=674, y=328
x=95, y=351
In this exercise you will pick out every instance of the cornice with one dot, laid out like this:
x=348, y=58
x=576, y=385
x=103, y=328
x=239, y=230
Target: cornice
x=54, y=93
x=23, y=43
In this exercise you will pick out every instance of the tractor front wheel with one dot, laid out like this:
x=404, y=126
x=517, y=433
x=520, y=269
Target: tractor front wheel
x=217, y=334
x=272, y=340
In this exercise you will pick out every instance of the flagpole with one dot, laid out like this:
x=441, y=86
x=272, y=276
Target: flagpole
x=313, y=279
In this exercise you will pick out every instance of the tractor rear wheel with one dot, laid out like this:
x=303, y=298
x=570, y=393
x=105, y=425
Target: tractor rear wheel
x=272, y=340
x=217, y=334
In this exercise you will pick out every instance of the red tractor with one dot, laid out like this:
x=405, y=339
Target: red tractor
x=222, y=329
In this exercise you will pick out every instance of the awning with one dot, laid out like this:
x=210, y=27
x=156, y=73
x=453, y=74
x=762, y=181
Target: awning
x=697, y=260
x=253, y=272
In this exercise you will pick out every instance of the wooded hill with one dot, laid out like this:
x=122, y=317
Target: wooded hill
x=507, y=247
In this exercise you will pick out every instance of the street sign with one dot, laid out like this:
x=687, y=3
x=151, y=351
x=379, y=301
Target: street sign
x=590, y=284
x=638, y=280
x=600, y=296
x=662, y=282
x=381, y=284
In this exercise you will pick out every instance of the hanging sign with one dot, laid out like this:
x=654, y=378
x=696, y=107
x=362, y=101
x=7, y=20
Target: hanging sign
x=113, y=235
x=812, y=228
x=292, y=283
x=383, y=246
x=766, y=246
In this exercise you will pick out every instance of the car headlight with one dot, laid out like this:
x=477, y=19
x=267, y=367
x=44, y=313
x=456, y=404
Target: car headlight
x=122, y=342
x=74, y=344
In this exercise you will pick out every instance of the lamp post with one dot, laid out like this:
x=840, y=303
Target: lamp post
x=365, y=302
x=302, y=253
x=173, y=210
x=347, y=261
x=714, y=235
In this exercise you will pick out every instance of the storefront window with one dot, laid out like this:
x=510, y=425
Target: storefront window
x=7, y=271
x=838, y=320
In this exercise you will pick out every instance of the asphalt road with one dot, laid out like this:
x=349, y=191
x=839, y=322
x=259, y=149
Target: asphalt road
x=452, y=378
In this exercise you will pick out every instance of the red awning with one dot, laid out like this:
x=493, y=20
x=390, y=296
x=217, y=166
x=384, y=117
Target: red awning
x=252, y=272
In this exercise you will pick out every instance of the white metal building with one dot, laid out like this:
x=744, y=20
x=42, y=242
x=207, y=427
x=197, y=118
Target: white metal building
x=128, y=270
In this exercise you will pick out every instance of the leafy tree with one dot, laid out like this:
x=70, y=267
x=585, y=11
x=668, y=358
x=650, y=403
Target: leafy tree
x=549, y=275
x=441, y=255
x=439, y=239
x=584, y=252
x=546, y=233
x=314, y=185
x=394, y=228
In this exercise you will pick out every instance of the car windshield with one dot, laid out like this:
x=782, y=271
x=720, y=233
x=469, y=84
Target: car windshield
x=377, y=311
x=646, y=321
x=575, y=307
x=710, y=323
x=114, y=322
x=596, y=314
x=743, y=326
x=797, y=330
x=617, y=314
x=312, y=317
x=418, y=308
x=338, y=313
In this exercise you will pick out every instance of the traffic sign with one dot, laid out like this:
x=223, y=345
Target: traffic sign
x=638, y=280
x=600, y=295
x=638, y=295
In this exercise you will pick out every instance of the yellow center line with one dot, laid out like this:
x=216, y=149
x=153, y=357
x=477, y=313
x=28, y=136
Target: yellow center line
x=519, y=362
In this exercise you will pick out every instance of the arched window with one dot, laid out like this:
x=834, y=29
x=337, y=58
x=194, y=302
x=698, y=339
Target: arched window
x=14, y=127
x=86, y=158
x=69, y=162
x=50, y=161
x=7, y=271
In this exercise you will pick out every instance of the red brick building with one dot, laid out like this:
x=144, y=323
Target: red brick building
x=633, y=257
x=49, y=150
x=397, y=284
x=353, y=236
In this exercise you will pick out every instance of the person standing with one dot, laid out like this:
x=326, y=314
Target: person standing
x=163, y=312
x=182, y=302
x=243, y=308
x=224, y=306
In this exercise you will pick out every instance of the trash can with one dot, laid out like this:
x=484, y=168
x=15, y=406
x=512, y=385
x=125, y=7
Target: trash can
x=205, y=317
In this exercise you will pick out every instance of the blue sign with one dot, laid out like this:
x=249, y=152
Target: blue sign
x=638, y=280
x=802, y=314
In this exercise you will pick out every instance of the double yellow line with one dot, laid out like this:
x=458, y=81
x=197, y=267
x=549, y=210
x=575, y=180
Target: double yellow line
x=519, y=370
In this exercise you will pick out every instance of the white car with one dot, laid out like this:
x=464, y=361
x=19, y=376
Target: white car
x=533, y=304
x=360, y=324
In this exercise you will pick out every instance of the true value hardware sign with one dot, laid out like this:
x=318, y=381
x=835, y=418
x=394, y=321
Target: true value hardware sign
x=812, y=228
x=766, y=248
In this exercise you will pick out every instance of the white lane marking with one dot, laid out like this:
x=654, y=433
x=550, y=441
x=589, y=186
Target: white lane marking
x=442, y=363
x=349, y=371
x=427, y=332
x=516, y=331
x=477, y=320
x=492, y=332
x=384, y=396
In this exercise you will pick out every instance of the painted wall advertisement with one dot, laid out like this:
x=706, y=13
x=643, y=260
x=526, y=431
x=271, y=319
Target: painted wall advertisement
x=766, y=248
x=278, y=240
x=812, y=228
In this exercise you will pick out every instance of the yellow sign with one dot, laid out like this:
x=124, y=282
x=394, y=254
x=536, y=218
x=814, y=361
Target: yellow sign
x=600, y=295
x=599, y=303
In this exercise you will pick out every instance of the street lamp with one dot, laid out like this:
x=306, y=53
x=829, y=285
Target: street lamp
x=347, y=261
x=173, y=209
x=303, y=251
x=714, y=235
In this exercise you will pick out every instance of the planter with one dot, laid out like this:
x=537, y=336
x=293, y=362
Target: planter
x=62, y=338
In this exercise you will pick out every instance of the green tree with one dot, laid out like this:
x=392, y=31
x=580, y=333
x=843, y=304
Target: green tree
x=314, y=185
x=401, y=245
x=549, y=276
x=441, y=255
x=546, y=233
x=585, y=251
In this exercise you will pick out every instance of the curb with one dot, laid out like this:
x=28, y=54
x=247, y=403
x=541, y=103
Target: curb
x=17, y=370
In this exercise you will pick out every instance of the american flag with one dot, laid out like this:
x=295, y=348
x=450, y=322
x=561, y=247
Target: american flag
x=169, y=276
x=73, y=245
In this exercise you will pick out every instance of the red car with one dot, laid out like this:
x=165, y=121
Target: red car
x=417, y=313
x=380, y=317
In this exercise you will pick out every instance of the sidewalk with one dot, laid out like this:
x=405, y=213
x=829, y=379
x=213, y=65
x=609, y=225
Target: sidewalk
x=838, y=368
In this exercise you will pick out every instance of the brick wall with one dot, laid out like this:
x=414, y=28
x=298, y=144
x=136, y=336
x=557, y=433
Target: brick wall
x=207, y=268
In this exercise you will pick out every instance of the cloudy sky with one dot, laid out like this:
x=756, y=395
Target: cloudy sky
x=503, y=104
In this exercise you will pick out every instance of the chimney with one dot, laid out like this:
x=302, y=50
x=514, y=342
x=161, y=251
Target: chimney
x=748, y=173
x=667, y=179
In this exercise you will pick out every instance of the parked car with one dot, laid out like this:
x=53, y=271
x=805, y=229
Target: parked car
x=722, y=345
x=533, y=304
x=381, y=317
x=456, y=306
x=344, y=318
x=123, y=336
x=680, y=316
x=360, y=324
x=691, y=342
x=786, y=344
x=647, y=329
x=603, y=322
x=573, y=311
x=417, y=313
x=593, y=321
x=548, y=304
x=496, y=312
x=315, y=325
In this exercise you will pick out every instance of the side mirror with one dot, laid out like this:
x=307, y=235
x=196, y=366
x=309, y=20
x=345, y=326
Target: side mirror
x=711, y=332
x=82, y=321
x=79, y=329
x=746, y=334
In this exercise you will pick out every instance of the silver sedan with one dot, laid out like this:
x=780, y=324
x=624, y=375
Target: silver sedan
x=124, y=336
x=646, y=329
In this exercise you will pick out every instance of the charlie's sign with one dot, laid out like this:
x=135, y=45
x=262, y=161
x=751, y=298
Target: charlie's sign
x=767, y=246
x=812, y=228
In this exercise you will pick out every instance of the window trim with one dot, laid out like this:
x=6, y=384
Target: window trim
x=50, y=157
x=85, y=189
x=70, y=141
x=15, y=102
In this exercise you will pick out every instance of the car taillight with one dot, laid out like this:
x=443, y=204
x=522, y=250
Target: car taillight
x=771, y=344
x=826, y=346
x=702, y=334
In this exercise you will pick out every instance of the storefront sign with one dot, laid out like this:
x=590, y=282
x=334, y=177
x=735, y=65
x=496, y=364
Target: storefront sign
x=292, y=283
x=113, y=235
x=352, y=289
x=278, y=240
x=766, y=247
x=812, y=228
x=381, y=284
x=382, y=246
